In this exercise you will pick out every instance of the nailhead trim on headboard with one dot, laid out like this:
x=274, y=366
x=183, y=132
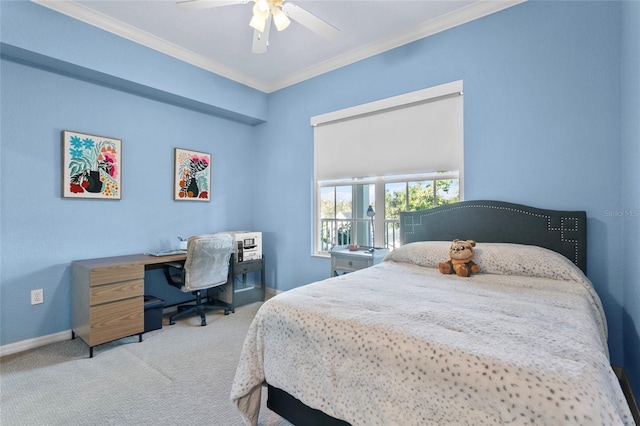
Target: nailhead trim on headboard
x=571, y=229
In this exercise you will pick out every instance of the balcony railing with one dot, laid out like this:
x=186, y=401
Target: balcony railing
x=334, y=233
x=339, y=232
x=392, y=233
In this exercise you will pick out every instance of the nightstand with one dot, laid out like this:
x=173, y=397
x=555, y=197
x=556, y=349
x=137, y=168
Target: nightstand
x=344, y=260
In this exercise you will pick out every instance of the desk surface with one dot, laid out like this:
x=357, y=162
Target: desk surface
x=141, y=259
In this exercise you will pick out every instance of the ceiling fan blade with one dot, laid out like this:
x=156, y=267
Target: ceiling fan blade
x=261, y=39
x=206, y=4
x=310, y=21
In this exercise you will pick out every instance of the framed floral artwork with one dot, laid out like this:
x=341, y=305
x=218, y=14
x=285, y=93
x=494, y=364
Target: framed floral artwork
x=91, y=166
x=192, y=175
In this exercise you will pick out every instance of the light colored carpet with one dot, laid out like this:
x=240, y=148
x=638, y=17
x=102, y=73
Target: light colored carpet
x=180, y=374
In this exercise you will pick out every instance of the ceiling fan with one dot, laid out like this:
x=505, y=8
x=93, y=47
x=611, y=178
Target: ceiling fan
x=266, y=11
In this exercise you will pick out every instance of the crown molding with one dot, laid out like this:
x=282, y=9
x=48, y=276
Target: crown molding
x=461, y=16
x=106, y=23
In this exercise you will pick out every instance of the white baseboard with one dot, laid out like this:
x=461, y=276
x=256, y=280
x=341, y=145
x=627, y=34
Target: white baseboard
x=270, y=292
x=24, y=345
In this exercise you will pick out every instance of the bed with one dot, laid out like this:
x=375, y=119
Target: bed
x=524, y=341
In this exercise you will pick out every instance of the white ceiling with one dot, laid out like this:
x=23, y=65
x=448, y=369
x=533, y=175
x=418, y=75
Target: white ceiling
x=219, y=39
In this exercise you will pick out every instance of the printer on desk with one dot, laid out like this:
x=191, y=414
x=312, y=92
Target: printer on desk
x=248, y=245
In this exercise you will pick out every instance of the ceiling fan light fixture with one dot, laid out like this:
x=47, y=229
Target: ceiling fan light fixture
x=261, y=9
x=281, y=12
x=258, y=23
x=280, y=19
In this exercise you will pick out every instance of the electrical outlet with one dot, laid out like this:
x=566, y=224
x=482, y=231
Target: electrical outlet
x=37, y=296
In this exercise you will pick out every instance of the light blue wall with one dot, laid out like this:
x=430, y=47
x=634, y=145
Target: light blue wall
x=542, y=93
x=546, y=124
x=631, y=187
x=36, y=34
x=41, y=232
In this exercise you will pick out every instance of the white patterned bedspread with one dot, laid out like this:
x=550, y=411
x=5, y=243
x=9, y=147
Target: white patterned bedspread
x=521, y=342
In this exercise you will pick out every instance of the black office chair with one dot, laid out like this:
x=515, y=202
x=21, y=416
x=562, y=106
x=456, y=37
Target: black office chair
x=208, y=264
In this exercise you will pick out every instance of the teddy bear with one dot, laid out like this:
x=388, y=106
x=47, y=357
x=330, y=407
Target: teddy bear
x=461, y=259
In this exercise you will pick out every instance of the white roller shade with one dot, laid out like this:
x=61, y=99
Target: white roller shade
x=414, y=133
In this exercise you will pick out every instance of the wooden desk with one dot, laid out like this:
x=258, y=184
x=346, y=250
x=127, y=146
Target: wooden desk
x=107, y=297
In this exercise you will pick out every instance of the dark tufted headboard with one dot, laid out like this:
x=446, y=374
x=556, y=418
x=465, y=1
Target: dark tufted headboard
x=486, y=221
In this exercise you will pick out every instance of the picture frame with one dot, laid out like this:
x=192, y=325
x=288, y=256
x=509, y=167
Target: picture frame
x=92, y=166
x=192, y=175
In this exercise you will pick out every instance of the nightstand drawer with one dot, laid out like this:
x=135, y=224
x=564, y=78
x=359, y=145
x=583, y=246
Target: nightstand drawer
x=351, y=264
x=344, y=260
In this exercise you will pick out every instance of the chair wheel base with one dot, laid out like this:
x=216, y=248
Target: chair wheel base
x=200, y=308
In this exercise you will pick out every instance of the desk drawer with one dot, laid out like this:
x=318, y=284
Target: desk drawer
x=114, y=292
x=114, y=320
x=116, y=273
x=346, y=264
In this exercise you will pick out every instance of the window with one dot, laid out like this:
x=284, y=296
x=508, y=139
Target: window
x=410, y=195
x=339, y=225
x=343, y=217
x=401, y=153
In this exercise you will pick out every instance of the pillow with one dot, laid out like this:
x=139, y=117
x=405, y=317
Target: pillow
x=525, y=260
x=422, y=253
x=494, y=258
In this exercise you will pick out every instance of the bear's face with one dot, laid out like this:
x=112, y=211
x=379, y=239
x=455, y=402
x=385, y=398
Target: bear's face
x=462, y=250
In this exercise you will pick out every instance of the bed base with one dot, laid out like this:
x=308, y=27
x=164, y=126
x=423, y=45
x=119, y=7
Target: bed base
x=285, y=405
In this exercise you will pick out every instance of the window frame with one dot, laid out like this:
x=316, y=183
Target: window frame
x=380, y=222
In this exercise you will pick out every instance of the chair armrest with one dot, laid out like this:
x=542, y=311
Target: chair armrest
x=174, y=273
